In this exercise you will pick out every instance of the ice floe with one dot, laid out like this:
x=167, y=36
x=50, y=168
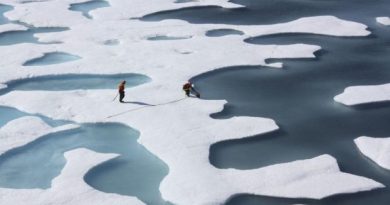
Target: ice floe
x=355, y=95
x=139, y=8
x=383, y=20
x=377, y=149
x=59, y=15
x=69, y=187
x=26, y=129
x=12, y=27
x=182, y=139
x=178, y=130
x=87, y=41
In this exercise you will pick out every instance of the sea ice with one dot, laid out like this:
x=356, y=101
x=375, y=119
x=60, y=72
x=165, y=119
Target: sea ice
x=26, y=129
x=69, y=187
x=51, y=58
x=364, y=94
x=86, y=40
x=32, y=14
x=377, y=149
x=12, y=27
x=383, y=20
x=178, y=130
x=182, y=139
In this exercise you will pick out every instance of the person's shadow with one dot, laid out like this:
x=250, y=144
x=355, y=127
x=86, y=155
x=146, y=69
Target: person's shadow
x=138, y=103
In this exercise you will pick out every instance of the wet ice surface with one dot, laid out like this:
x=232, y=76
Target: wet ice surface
x=75, y=82
x=140, y=171
x=86, y=7
x=8, y=114
x=15, y=37
x=52, y=58
x=27, y=36
x=223, y=32
x=136, y=172
x=167, y=38
x=4, y=8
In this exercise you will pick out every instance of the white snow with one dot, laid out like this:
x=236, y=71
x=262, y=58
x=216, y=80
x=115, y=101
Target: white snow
x=383, y=20
x=23, y=130
x=11, y=27
x=69, y=187
x=377, y=149
x=292, y=179
x=3, y=86
x=364, y=94
x=178, y=132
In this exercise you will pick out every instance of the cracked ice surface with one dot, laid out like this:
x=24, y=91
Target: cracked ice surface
x=26, y=129
x=355, y=95
x=177, y=135
x=383, y=20
x=69, y=187
x=377, y=149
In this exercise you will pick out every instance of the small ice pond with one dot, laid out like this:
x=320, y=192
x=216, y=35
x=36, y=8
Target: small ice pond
x=136, y=172
x=75, y=82
x=88, y=6
x=16, y=37
x=167, y=38
x=52, y=58
x=223, y=32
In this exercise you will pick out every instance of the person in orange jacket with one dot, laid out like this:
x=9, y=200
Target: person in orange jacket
x=121, y=90
x=189, y=88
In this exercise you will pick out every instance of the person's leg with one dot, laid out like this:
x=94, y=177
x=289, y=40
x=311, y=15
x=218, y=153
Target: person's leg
x=188, y=93
x=197, y=94
x=121, y=96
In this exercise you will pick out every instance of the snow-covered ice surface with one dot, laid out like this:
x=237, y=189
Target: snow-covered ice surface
x=364, y=94
x=11, y=27
x=69, y=187
x=179, y=136
x=377, y=149
x=383, y=20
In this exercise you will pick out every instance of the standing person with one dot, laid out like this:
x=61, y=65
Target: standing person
x=188, y=88
x=121, y=90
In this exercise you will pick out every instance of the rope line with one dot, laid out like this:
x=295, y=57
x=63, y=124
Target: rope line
x=139, y=108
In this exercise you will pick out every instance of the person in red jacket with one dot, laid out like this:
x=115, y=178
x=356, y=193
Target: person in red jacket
x=121, y=90
x=189, y=88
